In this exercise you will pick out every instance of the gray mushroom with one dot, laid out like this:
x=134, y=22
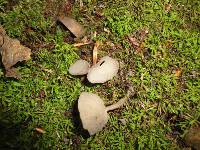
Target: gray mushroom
x=80, y=67
x=103, y=71
x=75, y=27
x=93, y=112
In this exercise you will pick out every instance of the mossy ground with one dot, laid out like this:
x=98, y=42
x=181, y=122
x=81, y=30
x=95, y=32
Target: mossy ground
x=164, y=105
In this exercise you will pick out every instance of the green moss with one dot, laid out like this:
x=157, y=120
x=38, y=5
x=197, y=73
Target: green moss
x=164, y=105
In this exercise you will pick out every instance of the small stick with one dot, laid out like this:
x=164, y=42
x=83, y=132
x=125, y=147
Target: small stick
x=81, y=44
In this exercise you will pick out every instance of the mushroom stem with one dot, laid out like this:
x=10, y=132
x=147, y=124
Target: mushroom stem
x=117, y=105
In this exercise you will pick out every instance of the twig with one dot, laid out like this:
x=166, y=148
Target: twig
x=81, y=44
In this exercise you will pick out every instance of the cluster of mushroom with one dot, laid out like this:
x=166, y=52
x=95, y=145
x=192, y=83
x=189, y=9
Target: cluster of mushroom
x=101, y=72
x=93, y=112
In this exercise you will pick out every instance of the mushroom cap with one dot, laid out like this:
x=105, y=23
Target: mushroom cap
x=80, y=67
x=103, y=71
x=92, y=112
x=75, y=27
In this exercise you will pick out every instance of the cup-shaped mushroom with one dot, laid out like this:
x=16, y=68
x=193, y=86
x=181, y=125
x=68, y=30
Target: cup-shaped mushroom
x=80, y=67
x=92, y=111
x=75, y=27
x=103, y=71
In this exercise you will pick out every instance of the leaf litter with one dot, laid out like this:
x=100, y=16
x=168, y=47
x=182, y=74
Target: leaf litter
x=12, y=52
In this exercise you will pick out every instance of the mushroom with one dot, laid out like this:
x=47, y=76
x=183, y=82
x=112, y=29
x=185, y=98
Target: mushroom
x=103, y=71
x=73, y=26
x=93, y=112
x=80, y=67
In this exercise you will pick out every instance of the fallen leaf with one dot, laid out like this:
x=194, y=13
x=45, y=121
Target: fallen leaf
x=12, y=52
x=40, y=130
x=73, y=26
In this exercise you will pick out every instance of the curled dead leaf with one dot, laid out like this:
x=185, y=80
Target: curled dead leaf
x=12, y=52
x=95, y=52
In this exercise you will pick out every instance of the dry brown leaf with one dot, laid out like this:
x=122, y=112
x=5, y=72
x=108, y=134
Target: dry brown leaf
x=73, y=26
x=40, y=130
x=12, y=52
x=95, y=52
